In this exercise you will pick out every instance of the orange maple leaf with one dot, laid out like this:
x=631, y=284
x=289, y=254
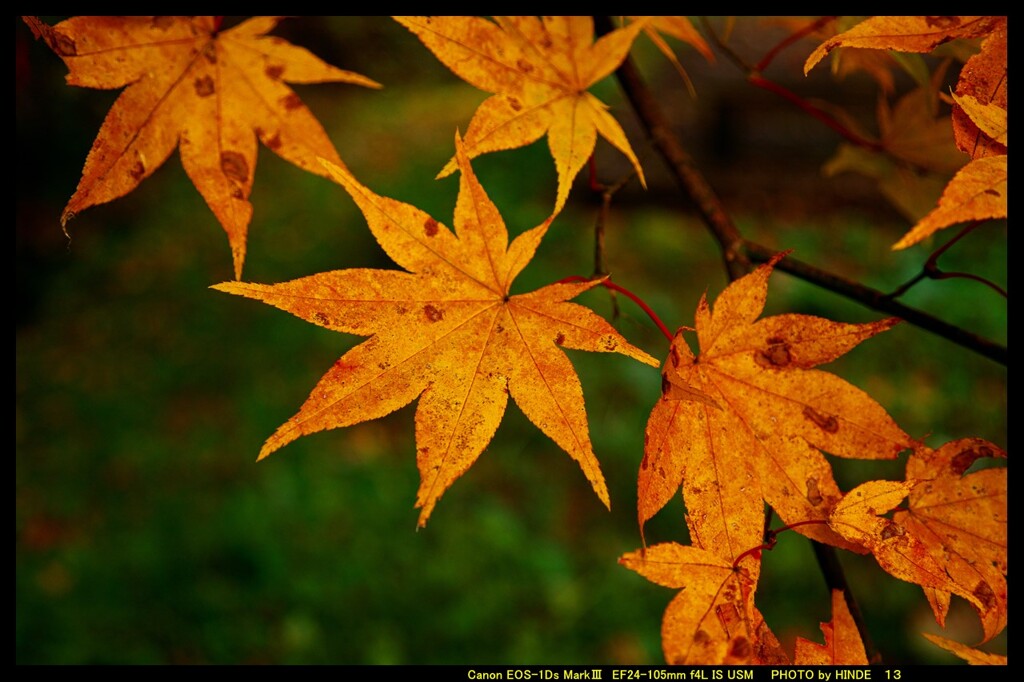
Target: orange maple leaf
x=449, y=332
x=679, y=28
x=962, y=519
x=969, y=654
x=747, y=419
x=898, y=550
x=976, y=192
x=843, y=644
x=905, y=34
x=214, y=92
x=539, y=71
x=713, y=621
x=983, y=78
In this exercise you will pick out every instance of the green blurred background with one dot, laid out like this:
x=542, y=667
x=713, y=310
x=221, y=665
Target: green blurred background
x=145, y=531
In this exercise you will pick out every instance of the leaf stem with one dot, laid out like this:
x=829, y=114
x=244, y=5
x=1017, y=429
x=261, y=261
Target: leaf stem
x=771, y=538
x=629, y=294
x=739, y=253
x=755, y=78
x=931, y=268
x=790, y=39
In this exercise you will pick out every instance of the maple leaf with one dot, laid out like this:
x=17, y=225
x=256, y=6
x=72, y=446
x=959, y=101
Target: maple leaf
x=681, y=29
x=906, y=34
x=969, y=654
x=449, y=332
x=921, y=156
x=538, y=70
x=962, y=518
x=214, y=92
x=747, y=419
x=713, y=621
x=900, y=552
x=843, y=644
x=983, y=79
x=976, y=192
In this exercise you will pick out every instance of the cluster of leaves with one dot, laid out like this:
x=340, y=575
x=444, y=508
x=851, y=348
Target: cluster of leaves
x=742, y=424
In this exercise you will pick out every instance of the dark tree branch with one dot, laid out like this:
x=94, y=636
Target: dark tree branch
x=737, y=251
x=880, y=301
x=682, y=166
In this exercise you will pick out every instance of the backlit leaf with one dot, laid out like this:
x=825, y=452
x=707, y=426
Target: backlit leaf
x=539, y=70
x=448, y=331
x=211, y=93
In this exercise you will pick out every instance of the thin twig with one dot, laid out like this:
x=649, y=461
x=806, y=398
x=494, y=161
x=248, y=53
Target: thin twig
x=630, y=295
x=754, y=76
x=790, y=39
x=931, y=268
x=738, y=252
x=880, y=301
x=682, y=166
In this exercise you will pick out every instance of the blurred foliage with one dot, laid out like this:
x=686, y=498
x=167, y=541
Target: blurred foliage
x=146, y=533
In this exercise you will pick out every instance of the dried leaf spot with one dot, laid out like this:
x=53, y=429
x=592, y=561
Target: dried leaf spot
x=666, y=385
x=274, y=71
x=776, y=355
x=234, y=165
x=275, y=142
x=137, y=171
x=559, y=339
x=204, y=86
x=645, y=461
x=826, y=422
x=985, y=595
x=430, y=227
x=892, y=530
x=942, y=22
x=524, y=66
x=162, y=22
x=674, y=355
x=291, y=101
x=813, y=494
x=661, y=472
x=609, y=343
x=63, y=45
x=433, y=314
x=740, y=648
x=991, y=192
x=701, y=637
x=320, y=318
x=210, y=52
x=515, y=104
x=963, y=460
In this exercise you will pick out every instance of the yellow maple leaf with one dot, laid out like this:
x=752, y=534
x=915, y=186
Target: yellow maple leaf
x=713, y=621
x=447, y=330
x=976, y=192
x=969, y=654
x=983, y=78
x=538, y=70
x=211, y=92
x=905, y=34
x=754, y=420
x=962, y=518
x=843, y=644
x=990, y=118
x=898, y=550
